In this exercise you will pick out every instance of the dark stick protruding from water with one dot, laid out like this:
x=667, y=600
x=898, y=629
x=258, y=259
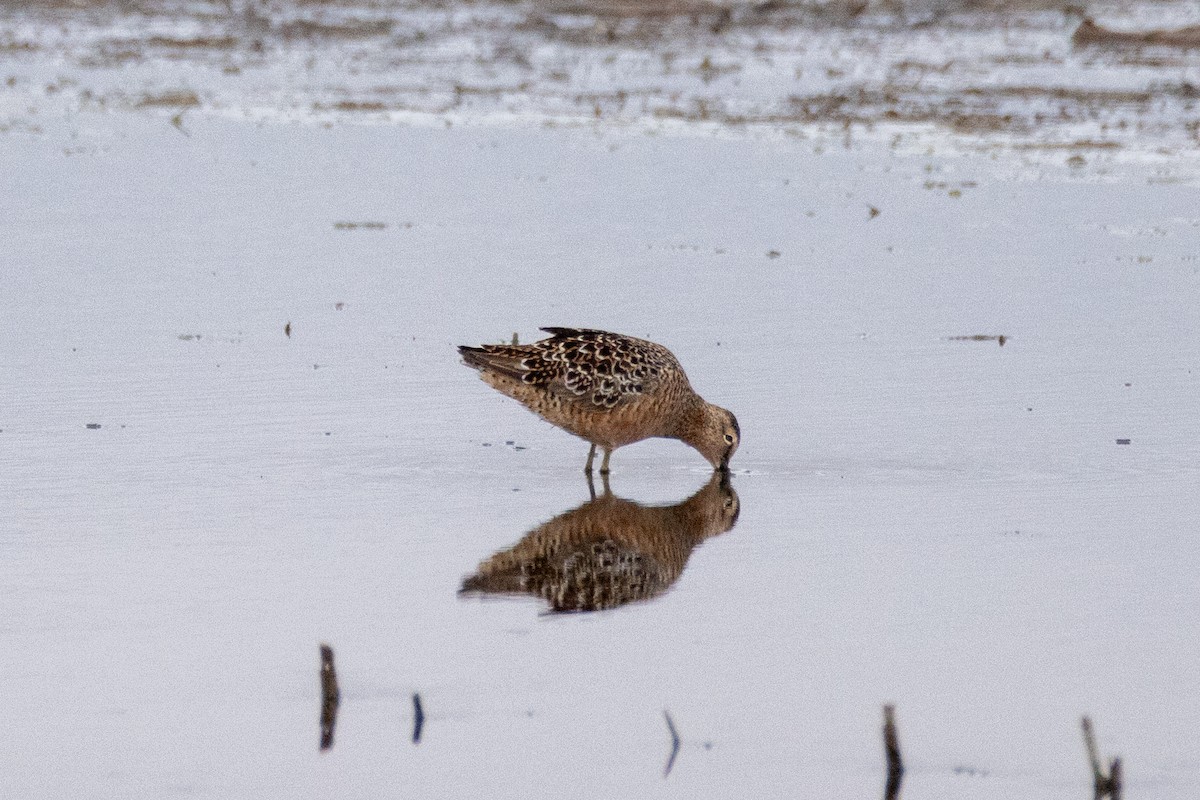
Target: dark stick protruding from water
x=674, y=743
x=1106, y=785
x=891, y=746
x=330, y=696
x=418, y=718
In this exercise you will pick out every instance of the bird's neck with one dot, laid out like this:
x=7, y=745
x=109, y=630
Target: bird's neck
x=690, y=424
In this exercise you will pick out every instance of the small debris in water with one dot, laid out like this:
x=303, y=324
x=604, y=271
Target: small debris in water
x=339, y=306
x=287, y=329
x=177, y=98
x=190, y=337
x=980, y=337
x=519, y=447
x=509, y=441
x=327, y=433
x=515, y=340
x=1076, y=161
x=1124, y=441
x=962, y=769
x=872, y=212
x=773, y=254
x=353, y=226
x=93, y=426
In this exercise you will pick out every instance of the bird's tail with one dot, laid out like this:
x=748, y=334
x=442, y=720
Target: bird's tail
x=501, y=359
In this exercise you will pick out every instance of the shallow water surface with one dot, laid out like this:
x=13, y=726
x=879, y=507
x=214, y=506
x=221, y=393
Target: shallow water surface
x=936, y=521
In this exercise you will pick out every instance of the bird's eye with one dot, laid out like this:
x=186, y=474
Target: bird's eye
x=729, y=438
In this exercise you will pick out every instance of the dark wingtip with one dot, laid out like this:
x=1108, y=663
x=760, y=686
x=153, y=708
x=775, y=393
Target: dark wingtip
x=471, y=356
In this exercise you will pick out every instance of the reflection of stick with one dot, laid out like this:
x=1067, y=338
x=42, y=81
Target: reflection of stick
x=418, y=718
x=674, y=743
x=891, y=746
x=329, y=697
x=1105, y=785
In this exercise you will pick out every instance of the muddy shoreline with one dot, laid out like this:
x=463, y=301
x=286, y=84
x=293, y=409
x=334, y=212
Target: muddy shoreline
x=909, y=75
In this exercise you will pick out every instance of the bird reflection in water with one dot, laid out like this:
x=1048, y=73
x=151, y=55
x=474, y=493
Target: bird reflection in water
x=609, y=551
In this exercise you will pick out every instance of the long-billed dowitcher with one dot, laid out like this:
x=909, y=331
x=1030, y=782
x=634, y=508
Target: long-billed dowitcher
x=609, y=389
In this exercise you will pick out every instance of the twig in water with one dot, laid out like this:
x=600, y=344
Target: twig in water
x=1106, y=785
x=330, y=696
x=418, y=718
x=674, y=743
x=891, y=746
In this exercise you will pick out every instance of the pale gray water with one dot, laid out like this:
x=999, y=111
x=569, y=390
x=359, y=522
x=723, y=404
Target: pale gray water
x=909, y=530
x=948, y=525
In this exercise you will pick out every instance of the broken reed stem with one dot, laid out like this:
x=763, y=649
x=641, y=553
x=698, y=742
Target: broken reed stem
x=418, y=718
x=891, y=747
x=1105, y=785
x=330, y=696
x=891, y=743
x=1093, y=752
x=1114, y=779
x=674, y=743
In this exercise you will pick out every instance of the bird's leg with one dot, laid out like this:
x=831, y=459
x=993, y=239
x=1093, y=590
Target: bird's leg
x=587, y=468
x=604, y=483
x=604, y=463
x=592, y=485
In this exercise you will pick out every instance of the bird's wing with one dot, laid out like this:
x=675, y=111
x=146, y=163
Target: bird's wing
x=596, y=368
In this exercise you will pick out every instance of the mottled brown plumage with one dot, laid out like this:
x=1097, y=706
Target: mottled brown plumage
x=609, y=389
x=609, y=551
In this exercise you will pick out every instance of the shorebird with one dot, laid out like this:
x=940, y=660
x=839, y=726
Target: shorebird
x=609, y=389
x=609, y=551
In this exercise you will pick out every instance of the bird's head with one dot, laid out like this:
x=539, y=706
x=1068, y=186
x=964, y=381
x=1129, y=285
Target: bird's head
x=715, y=434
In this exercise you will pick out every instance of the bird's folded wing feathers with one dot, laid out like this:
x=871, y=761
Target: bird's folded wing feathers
x=585, y=366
